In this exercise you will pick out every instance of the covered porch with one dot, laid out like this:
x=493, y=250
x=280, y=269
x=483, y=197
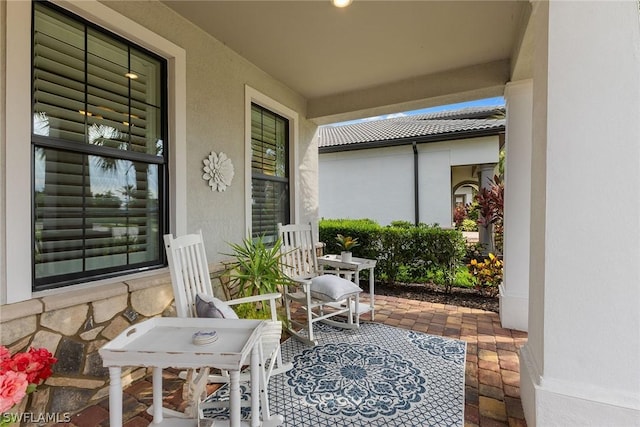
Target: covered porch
x=492, y=387
x=570, y=74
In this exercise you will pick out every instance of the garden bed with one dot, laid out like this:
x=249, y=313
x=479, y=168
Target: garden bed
x=463, y=297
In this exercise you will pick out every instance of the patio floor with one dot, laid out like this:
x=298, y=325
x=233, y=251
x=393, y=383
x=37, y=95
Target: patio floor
x=492, y=373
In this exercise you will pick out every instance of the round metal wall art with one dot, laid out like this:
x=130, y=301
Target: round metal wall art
x=218, y=171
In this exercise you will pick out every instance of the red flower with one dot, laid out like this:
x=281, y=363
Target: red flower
x=21, y=373
x=35, y=364
x=13, y=388
x=45, y=359
x=4, y=353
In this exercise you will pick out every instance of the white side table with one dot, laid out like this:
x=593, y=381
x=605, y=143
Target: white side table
x=334, y=263
x=167, y=342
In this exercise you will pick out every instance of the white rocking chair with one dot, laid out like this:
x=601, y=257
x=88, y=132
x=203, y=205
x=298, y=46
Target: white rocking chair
x=321, y=296
x=190, y=278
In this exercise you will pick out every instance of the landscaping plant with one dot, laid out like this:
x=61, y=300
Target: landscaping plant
x=491, y=207
x=256, y=269
x=20, y=374
x=488, y=274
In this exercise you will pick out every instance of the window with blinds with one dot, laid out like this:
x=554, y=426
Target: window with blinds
x=99, y=165
x=269, y=172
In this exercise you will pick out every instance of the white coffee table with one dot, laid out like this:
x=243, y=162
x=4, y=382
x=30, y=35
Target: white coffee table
x=165, y=342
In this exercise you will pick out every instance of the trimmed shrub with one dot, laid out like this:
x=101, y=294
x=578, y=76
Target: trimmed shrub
x=365, y=230
x=402, y=250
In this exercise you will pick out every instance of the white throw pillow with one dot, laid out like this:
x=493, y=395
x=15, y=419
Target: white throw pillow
x=209, y=306
x=329, y=287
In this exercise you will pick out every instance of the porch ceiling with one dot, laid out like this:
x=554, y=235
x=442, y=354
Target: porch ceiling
x=372, y=57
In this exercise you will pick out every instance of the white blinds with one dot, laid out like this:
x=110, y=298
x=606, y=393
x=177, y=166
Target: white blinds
x=84, y=78
x=269, y=166
x=99, y=161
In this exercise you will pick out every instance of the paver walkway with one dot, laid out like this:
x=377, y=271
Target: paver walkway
x=492, y=380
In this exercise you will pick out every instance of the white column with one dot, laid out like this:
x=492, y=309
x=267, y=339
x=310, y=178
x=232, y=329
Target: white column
x=486, y=173
x=514, y=292
x=580, y=364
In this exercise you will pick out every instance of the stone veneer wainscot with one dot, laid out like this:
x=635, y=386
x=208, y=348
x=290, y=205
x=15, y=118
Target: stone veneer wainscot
x=74, y=324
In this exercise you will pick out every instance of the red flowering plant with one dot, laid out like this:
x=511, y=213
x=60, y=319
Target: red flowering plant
x=20, y=374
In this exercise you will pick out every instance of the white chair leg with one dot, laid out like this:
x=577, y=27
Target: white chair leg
x=307, y=291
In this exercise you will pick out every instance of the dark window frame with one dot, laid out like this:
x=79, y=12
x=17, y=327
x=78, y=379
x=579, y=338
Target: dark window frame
x=263, y=177
x=61, y=145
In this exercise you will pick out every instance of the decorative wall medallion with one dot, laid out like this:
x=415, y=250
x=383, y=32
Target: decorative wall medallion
x=218, y=171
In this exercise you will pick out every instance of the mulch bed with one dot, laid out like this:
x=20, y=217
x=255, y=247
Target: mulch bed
x=461, y=297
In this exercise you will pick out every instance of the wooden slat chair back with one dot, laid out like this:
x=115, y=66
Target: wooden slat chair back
x=300, y=264
x=189, y=271
x=190, y=276
x=298, y=252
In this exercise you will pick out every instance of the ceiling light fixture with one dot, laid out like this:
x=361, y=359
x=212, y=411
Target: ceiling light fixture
x=341, y=3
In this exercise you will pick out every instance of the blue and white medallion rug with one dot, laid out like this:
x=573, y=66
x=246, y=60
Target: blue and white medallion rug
x=375, y=376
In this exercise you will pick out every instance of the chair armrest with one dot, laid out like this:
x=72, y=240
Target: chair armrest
x=255, y=298
x=302, y=281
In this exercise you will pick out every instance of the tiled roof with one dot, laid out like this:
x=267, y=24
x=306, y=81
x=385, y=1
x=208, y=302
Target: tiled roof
x=423, y=125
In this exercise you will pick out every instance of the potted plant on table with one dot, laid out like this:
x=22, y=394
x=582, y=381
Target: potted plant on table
x=346, y=243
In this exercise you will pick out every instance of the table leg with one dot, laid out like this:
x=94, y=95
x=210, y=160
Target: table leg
x=234, y=398
x=372, y=292
x=115, y=396
x=357, y=280
x=157, y=395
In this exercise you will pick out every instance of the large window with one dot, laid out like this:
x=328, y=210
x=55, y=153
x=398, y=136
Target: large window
x=269, y=171
x=99, y=155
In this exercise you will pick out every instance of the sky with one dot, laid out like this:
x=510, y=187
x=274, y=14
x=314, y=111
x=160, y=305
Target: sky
x=499, y=100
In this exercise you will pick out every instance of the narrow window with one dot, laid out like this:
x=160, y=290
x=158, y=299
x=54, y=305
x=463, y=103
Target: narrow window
x=99, y=152
x=269, y=171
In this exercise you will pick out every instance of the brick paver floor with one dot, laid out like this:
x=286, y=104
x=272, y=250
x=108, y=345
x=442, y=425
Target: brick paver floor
x=492, y=382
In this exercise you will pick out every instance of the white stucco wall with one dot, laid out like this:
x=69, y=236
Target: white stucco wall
x=375, y=184
x=379, y=183
x=209, y=98
x=580, y=365
x=434, y=178
x=216, y=79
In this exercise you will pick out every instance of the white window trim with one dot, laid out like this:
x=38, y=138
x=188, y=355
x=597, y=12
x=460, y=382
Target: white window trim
x=256, y=97
x=16, y=281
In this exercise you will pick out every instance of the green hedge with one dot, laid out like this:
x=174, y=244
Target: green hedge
x=365, y=230
x=400, y=247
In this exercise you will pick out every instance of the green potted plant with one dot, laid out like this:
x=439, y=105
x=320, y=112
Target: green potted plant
x=256, y=268
x=346, y=243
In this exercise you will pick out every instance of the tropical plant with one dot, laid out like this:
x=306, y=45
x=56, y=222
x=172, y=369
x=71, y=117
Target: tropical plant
x=472, y=209
x=256, y=269
x=346, y=243
x=488, y=274
x=459, y=215
x=468, y=225
x=491, y=208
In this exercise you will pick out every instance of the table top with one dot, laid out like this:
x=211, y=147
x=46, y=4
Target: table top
x=168, y=341
x=356, y=263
